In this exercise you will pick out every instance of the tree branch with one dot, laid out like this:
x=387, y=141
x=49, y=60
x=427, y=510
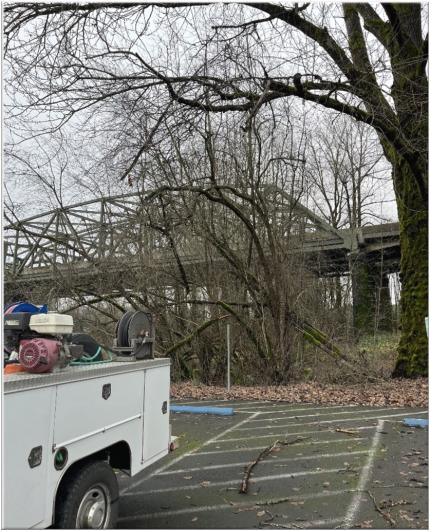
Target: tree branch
x=374, y=24
x=260, y=20
x=319, y=35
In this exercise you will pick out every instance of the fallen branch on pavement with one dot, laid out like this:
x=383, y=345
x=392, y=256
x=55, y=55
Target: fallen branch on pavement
x=267, y=451
x=384, y=514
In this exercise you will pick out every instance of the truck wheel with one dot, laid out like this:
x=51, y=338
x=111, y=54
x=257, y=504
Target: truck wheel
x=88, y=498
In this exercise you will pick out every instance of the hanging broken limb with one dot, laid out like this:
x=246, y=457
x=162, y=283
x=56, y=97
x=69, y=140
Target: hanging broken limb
x=320, y=340
x=193, y=334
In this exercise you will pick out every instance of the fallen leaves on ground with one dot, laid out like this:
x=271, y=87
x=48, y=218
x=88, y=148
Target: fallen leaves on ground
x=404, y=516
x=385, y=504
x=399, y=392
x=366, y=524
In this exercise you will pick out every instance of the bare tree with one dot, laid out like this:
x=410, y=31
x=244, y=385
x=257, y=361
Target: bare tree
x=365, y=62
x=347, y=173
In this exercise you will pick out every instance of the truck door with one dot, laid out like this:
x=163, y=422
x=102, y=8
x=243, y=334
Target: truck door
x=28, y=419
x=156, y=413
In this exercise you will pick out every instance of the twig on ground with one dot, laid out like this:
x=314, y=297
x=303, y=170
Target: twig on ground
x=348, y=469
x=384, y=514
x=294, y=526
x=273, y=502
x=389, y=503
x=270, y=519
x=415, y=480
x=245, y=480
x=348, y=432
x=243, y=509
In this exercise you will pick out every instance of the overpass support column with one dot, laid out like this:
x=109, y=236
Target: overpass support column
x=363, y=294
x=370, y=295
x=384, y=311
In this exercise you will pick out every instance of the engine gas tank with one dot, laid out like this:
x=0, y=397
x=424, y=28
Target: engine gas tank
x=51, y=323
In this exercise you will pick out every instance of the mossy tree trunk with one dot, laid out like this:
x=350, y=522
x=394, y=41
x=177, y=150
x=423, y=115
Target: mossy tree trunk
x=410, y=180
x=413, y=216
x=405, y=144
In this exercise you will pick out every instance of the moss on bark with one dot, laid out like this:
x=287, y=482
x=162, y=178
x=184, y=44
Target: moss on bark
x=413, y=216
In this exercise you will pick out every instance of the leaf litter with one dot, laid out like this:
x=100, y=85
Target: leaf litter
x=400, y=392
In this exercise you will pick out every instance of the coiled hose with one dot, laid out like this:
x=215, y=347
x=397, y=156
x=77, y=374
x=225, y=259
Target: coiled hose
x=86, y=359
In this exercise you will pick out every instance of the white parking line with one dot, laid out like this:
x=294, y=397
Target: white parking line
x=312, y=415
x=174, y=461
x=308, y=524
x=215, y=402
x=270, y=409
x=364, y=478
x=227, y=483
x=332, y=421
x=312, y=524
x=253, y=448
x=271, y=462
x=238, y=505
x=285, y=434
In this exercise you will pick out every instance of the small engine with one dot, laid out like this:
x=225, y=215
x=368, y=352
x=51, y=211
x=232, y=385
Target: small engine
x=39, y=341
x=39, y=355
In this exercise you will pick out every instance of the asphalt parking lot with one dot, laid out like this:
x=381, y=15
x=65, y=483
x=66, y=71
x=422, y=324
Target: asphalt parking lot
x=347, y=467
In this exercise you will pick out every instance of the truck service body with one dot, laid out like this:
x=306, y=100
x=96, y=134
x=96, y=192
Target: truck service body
x=65, y=426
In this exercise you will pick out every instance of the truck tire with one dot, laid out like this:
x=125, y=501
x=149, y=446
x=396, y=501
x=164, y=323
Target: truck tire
x=88, y=498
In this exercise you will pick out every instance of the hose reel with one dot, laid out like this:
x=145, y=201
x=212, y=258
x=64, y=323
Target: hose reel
x=135, y=335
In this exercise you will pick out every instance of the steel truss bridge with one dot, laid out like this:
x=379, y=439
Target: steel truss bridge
x=76, y=244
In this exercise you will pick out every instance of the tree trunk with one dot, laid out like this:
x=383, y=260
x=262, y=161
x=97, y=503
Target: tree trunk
x=413, y=217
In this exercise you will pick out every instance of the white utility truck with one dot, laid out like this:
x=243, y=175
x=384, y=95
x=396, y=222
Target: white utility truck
x=66, y=430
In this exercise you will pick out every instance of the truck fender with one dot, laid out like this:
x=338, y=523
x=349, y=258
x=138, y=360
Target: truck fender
x=118, y=455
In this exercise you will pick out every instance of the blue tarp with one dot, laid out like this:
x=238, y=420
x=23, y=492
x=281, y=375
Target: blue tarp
x=415, y=423
x=26, y=307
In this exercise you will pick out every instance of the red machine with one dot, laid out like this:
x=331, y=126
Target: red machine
x=39, y=341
